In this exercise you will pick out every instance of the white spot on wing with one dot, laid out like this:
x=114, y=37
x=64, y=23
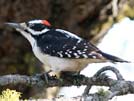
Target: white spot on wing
x=68, y=50
x=74, y=47
x=60, y=54
x=79, y=52
x=83, y=52
x=53, y=51
x=66, y=53
x=85, y=49
x=69, y=55
x=46, y=47
x=68, y=34
x=78, y=41
x=65, y=46
x=61, y=51
x=76, y=55
x=85, y=56
x=94, y=57
x=92, y=53
x=86, y=46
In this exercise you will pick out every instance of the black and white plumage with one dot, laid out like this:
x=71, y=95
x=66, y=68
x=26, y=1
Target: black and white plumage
x=58, y=43
x=59, y=49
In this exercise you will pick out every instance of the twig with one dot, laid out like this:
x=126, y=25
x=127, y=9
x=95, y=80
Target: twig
x=114, y=70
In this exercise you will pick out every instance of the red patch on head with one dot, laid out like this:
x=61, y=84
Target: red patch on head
x=45, y=22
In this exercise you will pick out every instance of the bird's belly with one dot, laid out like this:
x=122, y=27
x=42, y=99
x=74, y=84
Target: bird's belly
x=56, y=63
x=60, y=64
x=65, y=64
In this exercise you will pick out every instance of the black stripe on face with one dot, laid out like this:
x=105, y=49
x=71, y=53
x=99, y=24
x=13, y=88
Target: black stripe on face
x=36, y=26
x=27, y=31
x=34, y=36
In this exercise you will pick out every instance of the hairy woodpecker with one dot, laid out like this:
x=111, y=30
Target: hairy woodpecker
x=59, y=49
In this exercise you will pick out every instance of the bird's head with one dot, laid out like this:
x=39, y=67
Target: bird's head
x=31, y=28
x=34, y=27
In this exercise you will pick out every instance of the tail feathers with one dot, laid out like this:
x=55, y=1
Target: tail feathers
x=113, y=58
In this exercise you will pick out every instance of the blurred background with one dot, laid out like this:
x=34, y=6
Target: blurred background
x=90, y=19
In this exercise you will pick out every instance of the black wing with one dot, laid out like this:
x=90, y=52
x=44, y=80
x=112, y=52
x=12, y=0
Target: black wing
x=64, y=44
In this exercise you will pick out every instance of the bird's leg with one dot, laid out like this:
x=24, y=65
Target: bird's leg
x=46, y=76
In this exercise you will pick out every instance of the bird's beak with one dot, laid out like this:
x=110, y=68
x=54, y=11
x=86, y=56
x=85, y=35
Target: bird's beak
x=19, y=26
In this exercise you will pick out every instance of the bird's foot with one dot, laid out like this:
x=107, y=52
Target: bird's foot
x=46, y=76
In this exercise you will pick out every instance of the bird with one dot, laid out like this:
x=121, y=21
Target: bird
x=61, y=50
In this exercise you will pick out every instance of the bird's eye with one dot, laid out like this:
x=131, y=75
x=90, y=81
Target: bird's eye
x=31, y=25
x=36, y=27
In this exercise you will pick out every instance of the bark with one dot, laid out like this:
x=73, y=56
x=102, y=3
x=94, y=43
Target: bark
x=116, y=87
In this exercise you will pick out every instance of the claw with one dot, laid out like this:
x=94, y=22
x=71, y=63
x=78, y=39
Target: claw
x=48, y=77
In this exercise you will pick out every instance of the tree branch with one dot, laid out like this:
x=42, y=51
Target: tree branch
x=116, y=87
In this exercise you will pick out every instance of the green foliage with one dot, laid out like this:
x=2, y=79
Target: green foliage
x=102, y=92
x=10, y=95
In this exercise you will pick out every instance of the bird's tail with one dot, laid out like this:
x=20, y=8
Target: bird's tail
x=113, y=58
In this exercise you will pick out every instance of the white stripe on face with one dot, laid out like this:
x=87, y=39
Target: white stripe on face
x=37, y=32
x=35, y=21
